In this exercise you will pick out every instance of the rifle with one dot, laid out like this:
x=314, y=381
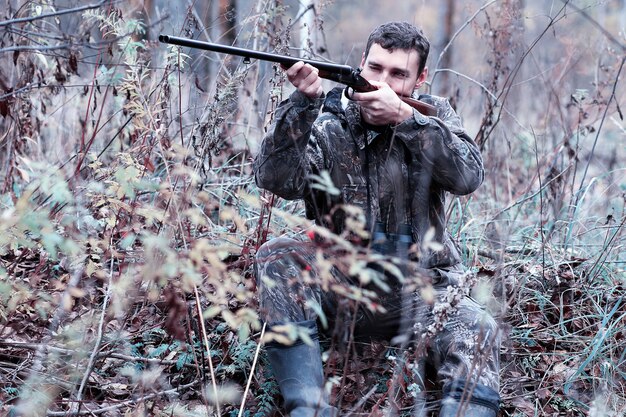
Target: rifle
x=343, y=74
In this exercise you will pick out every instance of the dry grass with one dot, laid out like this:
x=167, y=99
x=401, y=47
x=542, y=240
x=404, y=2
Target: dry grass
x=128, y=209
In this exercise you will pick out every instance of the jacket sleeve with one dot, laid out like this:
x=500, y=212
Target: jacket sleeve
x=287, y=155
x=443, y=148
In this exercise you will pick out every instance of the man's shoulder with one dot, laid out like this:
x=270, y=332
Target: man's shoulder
x=433, y=99
x=445, y=111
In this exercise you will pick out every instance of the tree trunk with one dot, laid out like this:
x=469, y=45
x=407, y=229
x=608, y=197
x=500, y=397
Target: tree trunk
x=308, y=28
x=227, y=19
x=445, y=87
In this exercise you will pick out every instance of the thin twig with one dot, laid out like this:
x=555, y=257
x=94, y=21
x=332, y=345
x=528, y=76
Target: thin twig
x=508, y=83
x=595, y=142
x=59, y=13
x=34, y=346
x=96, y=347
x=361, y=401
x=456, y=34
x=122, y=404
x=199, y=21
x=256, y=356
x=604, y=253
x=38, y=48
x=109, y=354
x=474, y=81
x=89, y=45
x=598, y=26
x=59, y=316
x=208, y=349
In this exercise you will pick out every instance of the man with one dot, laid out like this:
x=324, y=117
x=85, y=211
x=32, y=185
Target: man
x=396, y=164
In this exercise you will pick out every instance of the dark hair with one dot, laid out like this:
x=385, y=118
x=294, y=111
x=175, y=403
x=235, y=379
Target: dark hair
x=400, y=35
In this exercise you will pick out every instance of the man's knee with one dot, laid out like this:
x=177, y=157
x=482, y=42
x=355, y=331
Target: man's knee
x=274, y=248
x=474, y=349
x=479, y=320
x=273, y=257
x=277, y=244
x=280, y=273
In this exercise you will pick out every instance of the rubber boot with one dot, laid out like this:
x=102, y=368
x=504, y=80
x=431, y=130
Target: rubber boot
x=467, y=400
x=300, y=376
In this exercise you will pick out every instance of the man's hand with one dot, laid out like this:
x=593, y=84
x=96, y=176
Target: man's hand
x=383, y=106
x=306, y=79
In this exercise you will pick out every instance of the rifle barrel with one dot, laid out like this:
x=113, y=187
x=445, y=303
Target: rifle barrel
x=249, y=53
x=343, y=74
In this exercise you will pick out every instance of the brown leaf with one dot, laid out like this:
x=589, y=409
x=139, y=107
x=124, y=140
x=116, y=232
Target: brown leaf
x=198, y=84
x=76, y=292
x=524, y=406
x=4, y=108
x=543, y=393
x=176, y=311
x=148, y=164
x=73, y=63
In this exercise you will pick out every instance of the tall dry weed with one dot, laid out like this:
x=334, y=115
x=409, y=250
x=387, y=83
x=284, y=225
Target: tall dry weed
x=130, y=219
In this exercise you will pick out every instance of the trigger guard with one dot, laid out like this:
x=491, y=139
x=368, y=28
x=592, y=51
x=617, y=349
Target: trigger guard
x=349, y=92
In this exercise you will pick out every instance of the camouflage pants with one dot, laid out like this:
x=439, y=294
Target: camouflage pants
x=297, y=282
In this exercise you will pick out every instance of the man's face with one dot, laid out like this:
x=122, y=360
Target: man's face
x=397, y=68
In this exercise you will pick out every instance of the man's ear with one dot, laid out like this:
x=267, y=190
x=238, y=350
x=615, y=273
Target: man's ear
x=362, y=60
x=421, y=79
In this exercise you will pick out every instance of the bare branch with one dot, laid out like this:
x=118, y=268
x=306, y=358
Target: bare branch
x=595, y=142
x=59, y=13
x=496, y=100
x=90, y=45
x=474, y=81
x=94, y=353
x=123, y=403
x=456, y=34
x=508, y=83
x=256, y=357
x=598, y=26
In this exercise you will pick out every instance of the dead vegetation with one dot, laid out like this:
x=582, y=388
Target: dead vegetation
x=129, y=218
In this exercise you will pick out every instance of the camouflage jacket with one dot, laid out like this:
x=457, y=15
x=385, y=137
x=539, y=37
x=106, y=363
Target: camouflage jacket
x=397, y=175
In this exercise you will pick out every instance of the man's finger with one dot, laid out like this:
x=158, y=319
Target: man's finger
x=294, y=69
x=364, y=97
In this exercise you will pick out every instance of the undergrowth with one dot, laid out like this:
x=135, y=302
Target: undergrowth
x=130, y=220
